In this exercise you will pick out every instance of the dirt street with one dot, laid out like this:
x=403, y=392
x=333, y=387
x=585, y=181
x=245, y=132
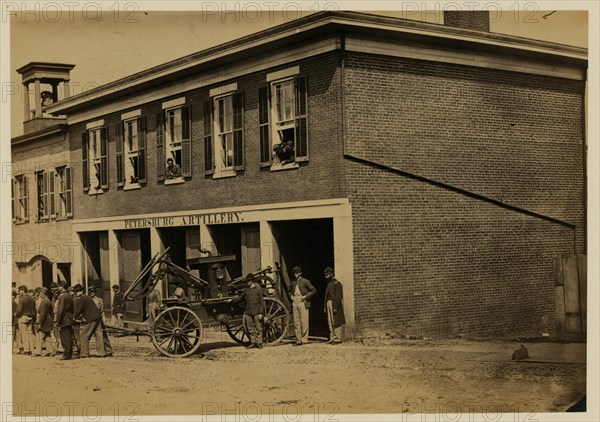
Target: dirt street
x=319, y=380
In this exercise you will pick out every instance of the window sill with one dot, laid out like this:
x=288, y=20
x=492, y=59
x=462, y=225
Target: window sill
x=224, y=174
x=96, y=191
x=288, y=166
x=175, y=181
x=132, y=186
x=19, y=222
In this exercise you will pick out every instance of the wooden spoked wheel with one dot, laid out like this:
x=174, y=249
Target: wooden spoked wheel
x=177, y=332
x=237, y=330
x=276, y=321
x=275, y=324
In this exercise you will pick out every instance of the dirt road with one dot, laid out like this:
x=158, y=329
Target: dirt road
x=320, y=380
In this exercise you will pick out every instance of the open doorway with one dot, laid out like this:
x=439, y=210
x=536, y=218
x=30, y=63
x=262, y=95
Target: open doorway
x=96, y=270
x=309, y=245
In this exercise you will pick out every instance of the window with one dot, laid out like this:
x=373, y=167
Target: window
x=95, y=161
x=131, y=152
x=283, y=122
x=225, y=152
x=54, y=198
x=64, y=208
x=173, y=143
x=43, y=202
x=20, y=200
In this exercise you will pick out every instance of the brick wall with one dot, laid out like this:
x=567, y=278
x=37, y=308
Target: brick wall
x=509, y=136
x=51, y=240
x=428, y=260
x=319, y=179
x=433, y=262
x=476, y=20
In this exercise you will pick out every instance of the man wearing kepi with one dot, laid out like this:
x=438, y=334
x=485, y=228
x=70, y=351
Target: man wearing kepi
x=64, y=320
x=253, y=312
x=334, y=308
x=300, y=292
x=92, y=320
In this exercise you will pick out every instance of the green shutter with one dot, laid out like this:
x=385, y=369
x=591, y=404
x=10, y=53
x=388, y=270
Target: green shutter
x=104, y=157
x=51, y=195
x=141, y=161
x=301, y=129
x=69, y=192
x=209, y=166
x=186, y=142
x=263, y=125
x=84, y=159
x=238, y=130
x=119, y=145
x=160, y=146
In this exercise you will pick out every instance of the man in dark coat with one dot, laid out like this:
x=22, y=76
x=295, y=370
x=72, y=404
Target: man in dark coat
x=334, y=307
x=64, y=319
x=44, y=324
x=301, y=290
x=25, y=318
x=92, y=322
x=253, y=312
x=16, y=334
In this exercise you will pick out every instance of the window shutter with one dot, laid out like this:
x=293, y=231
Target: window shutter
x=161, y=160
x=51, y=195
x=84, y=160
x=141, y=161
x=25, y=199
x=12, y=195
x=238, y=131
x=119, y=142
x=44, y=196
x=68, y=192
x=209, y=167
x=263, y=125
x=40, y=183
x=301, y=132
x=186, y=142
x=104, y=157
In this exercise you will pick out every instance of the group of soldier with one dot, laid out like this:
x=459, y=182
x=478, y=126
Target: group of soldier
x=300, y=292
x=61, y=320
x=65, y=319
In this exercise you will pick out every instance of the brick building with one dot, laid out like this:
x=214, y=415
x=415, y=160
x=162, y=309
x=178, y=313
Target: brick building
x=42, y=207
x=440, y=170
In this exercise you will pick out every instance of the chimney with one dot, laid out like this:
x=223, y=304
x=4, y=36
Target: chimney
x=475, y=20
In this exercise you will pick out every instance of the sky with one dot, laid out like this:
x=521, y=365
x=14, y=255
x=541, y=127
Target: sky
x=106, y=45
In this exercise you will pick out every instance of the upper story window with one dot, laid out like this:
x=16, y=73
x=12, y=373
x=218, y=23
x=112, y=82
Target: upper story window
x=54, y=197
x=64, y=206
x=94, y=148
x=224, y=117
x=131, y=152
x=20, y=199
x=283, y=122
x=45, y=195
x=173, y=142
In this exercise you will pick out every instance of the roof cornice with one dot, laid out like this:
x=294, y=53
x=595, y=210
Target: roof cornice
x=319, y=24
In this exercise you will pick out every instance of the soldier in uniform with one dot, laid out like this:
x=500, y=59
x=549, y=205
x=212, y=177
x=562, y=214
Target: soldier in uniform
x=55, y=293
x=301, y=290
x=118, y=307
x=334, y=307
x=76, y=326
x=92, y=322
x=25, y=317
x=64, y=320
x=44, y=324
x=253, y=312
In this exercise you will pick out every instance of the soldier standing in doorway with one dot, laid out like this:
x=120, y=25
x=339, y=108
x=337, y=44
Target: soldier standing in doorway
x=301, y=290
x=334, y=307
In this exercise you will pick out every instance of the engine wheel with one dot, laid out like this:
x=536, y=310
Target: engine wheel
x=237, y=330
x=177, y=332
x=276, y=321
